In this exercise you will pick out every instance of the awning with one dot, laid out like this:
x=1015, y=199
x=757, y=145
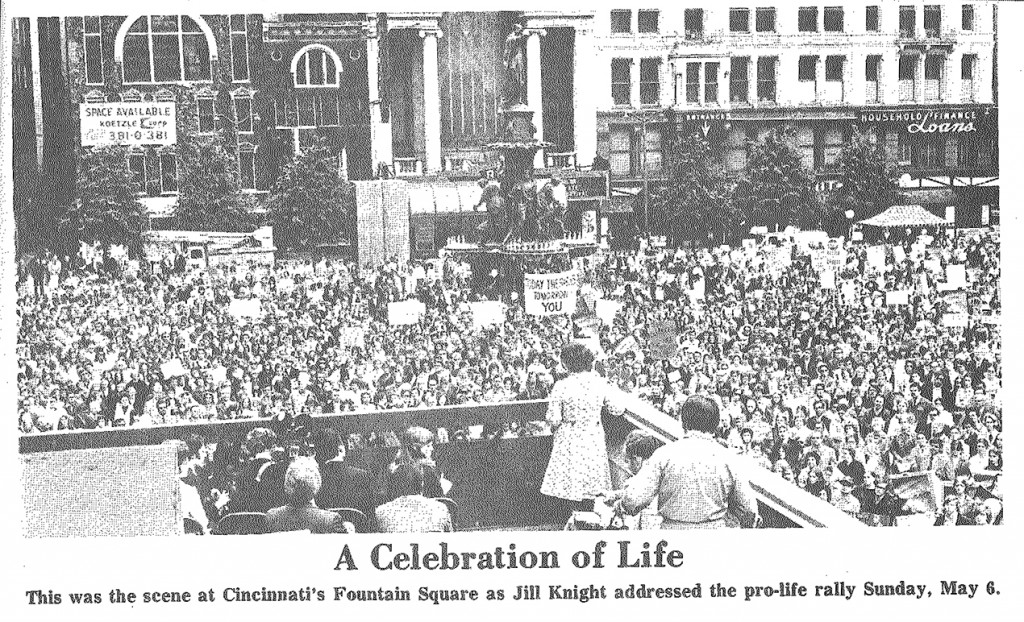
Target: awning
x=904, y=216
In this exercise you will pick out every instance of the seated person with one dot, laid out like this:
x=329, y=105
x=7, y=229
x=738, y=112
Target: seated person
x=301, y=483
x=409, y=511
x=344, y=486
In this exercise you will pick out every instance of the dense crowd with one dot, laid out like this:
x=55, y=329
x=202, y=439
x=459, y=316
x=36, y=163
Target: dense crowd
x=835, y=386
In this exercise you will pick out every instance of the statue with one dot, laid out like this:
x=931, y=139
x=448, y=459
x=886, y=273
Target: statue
x=494, y=228
x=552, y=202
x=515, y=67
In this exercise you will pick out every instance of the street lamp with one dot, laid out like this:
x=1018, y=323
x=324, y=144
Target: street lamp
x=849, y=216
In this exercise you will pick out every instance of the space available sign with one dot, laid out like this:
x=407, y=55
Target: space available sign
x=934, y=120
x=145, y=123
x=550, y=294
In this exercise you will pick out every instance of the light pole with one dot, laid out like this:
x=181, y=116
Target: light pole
x=849, y=216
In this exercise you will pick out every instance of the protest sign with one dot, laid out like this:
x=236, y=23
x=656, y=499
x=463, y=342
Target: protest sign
x=218, y=374
x=828, y=279
x=663, y=339
x=897, y=297
x=898, y=254
x=956, y=276
x=835, y=255
x=405, y=312
x=550, y=294
x=876, y=258
x=487, y=313
x=172, y=368
x=351, y=336
x=954, y=320
x=245, y=310
x=606, y=310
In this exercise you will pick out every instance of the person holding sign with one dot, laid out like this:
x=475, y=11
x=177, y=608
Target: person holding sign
x=578, y=469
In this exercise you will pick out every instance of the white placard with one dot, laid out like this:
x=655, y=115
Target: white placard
x=487, y=313
x=828, y=279
x=550, y=294
x=898, y=297
x=956, y=276
x=405, y=312
x=119, y=123
x=606, y=310
x=172, y=368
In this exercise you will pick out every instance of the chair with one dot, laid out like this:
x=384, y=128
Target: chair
x=354, y=517
x=242, y=524
x=453, y=509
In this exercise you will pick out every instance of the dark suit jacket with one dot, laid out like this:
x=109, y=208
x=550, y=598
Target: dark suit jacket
x=288, y=518
x=345, y=486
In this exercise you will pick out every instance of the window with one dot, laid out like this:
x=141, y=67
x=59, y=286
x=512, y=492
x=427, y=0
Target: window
x=239, y=49
x=832, y=145
x=805, y=146
x=967, y=64
x=693, y=82
x=647, y=21
x=739, y=20
x=739, y=86
x=207, y=115
x=622, y=22
x=316, y=65
x=736, y=150
x=907, y=77
x=710, y=82
x=807, y=19
x=693, y=22
x=933, y=66
x=652, y=147
x=243, y=114
x=871, y=19
x=766, y=78
x=137, y=164
x=247, y=166
x=932, y=20
x=931, y=151
x=764, y=18
x=166, y=48
x=967, y=19
x=168, y=173
x=650, y=81
x=871, y=66
x=908, y=21
x=833, y=19
x=93, y=51
x=620, y=81
x=834, y=68
x=620, y=150
x=807, y=70
x=967, y=151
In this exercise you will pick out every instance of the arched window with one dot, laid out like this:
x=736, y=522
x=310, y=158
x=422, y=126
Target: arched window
x=165, y=48
x=316, y=65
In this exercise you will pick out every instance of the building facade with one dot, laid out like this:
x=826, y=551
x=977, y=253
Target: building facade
x=418, y=94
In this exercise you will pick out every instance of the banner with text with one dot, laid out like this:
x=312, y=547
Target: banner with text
x=146, y=123
x=550, y=294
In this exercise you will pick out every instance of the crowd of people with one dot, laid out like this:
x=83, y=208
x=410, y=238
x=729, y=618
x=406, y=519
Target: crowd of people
x=836, y=384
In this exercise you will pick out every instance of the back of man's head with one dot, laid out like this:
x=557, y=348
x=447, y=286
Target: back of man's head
x=700, y=414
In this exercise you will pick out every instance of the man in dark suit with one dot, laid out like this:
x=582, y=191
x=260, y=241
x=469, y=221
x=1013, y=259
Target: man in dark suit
x=344, y=486
x=301, y=483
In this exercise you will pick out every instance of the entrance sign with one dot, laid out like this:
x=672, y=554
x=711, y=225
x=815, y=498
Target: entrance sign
x=551, y=294
x=145, y=123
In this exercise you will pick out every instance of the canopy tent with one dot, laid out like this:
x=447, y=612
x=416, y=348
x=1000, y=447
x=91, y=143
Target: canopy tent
x=905, y=216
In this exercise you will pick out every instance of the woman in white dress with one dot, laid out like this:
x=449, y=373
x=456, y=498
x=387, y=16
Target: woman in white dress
x=578, y=469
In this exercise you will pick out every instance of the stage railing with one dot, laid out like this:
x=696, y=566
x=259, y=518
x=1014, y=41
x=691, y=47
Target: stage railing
x=497, y=481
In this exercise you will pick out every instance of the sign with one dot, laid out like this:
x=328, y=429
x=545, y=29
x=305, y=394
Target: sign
x=876, y=258
x=405, y=312
x=835, y=255
x=144, y=123
x=715, y=115
x=828, y=279
x=898, y=297
x=487, y=313
x=956, y=276
x=959, y=120
x=663, y=339
x=588, y=228
x=606, y=310
x=245, y=310
x=172, y=368
x=550, y=294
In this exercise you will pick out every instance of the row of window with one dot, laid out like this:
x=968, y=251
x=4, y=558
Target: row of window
x=701, y=78
x=162, y=171
x=832, y=19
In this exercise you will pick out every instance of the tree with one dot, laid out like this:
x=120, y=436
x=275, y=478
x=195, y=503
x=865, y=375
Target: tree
x=777, y=190
x=867, y=180
x=209, y=190
x=106, y=208
x=311, y=204
x=695, y=203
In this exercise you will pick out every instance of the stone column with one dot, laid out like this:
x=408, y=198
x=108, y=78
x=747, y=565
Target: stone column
x=951, y=90
x=723, y=83
x=889, y=76
x=380, y=132
x=37, y=88
x=534, y=86
x=983, y=78
x=854, y=81
x=819, y=78
x=431, y=103
x=585, y=104
x=752, y=81
x=919, y=79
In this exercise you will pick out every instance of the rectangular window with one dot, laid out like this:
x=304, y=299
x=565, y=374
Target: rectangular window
x=305, y=103
x=166, y=58
x=871, y=19
x=906, y=150
x=693, y=83
x=650, y=81
x=328, y=109
x=247, y=168
x=739, y=86
x=620, y=81
x=908, y=77
x=620, y=150
x=739, y=20
x=933, y=66
x=764, y=18
x=647, y=21
x=766, y=78
x=833, y=19
x=652, y=148
x=805, y=146
x=622, y=22
x=932, y=151
x=137, y=68
x=207, y=115
x=908, y=21
x=832, y=145
x=807, y=19
x=834, y=68
x=239, y=49
x=871, y=65
x=693, y=22
x=168, y=173
x=137, y=163
x=807, y=70
x=710, y=82
x=243, y=114
x=932, y=20
x=967, y=64
x=93, y=51
x=967, y=152
x=967, y=19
